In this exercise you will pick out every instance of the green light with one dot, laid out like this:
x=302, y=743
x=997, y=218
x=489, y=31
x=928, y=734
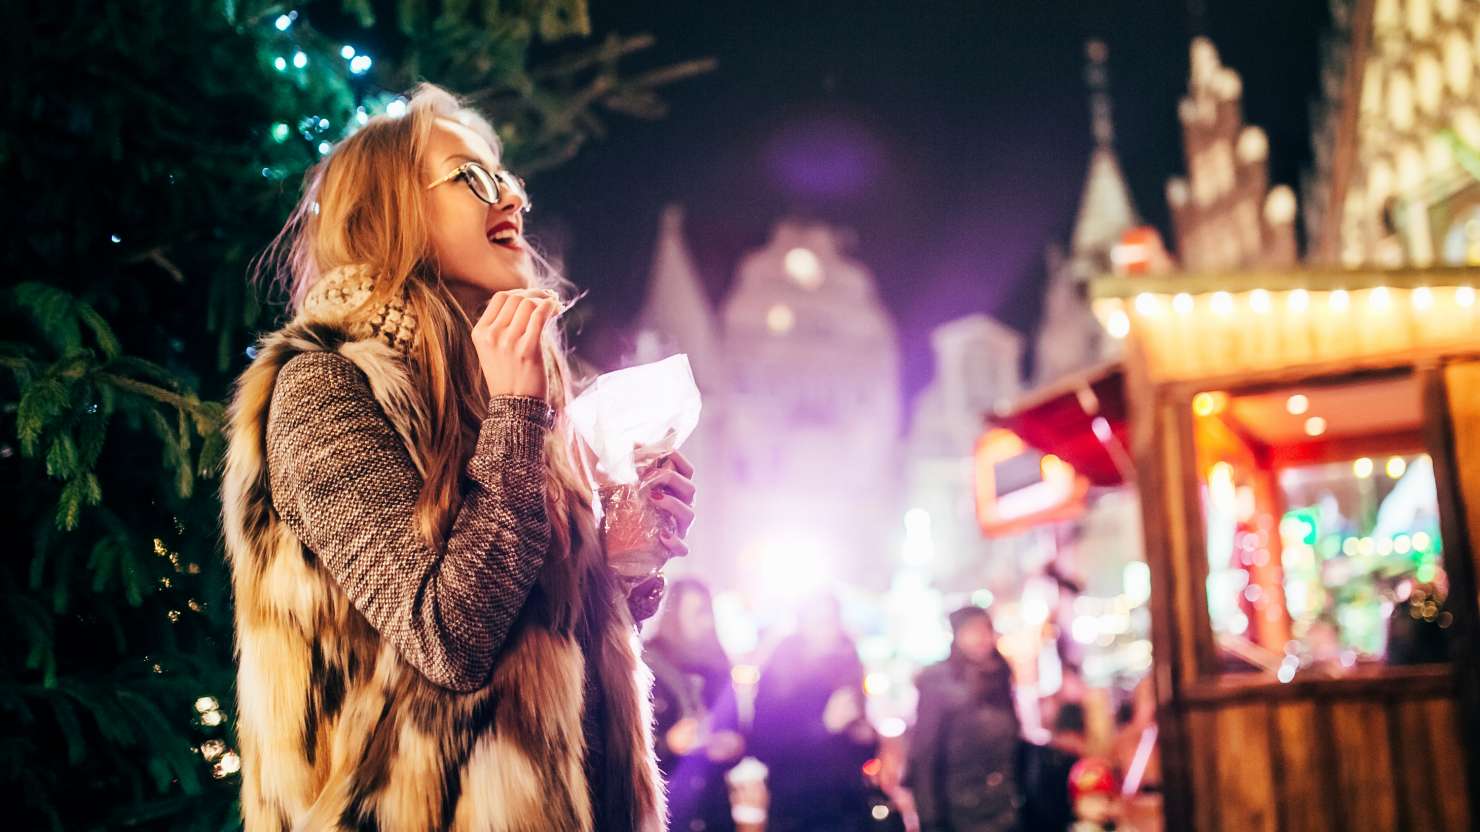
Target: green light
x=280, y=132
x=1308, y=520
x=1425, y=573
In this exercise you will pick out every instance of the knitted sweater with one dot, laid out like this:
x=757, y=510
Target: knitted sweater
x=343, y=482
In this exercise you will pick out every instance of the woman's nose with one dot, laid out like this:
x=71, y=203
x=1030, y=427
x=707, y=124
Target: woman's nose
x=512, y=202
x=512, y=196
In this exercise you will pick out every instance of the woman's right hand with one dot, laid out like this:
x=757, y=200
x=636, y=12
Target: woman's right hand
x=508, y=338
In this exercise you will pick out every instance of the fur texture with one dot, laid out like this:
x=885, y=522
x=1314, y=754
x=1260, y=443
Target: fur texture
x=337, y=733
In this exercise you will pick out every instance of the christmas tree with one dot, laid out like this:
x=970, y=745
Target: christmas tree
x=148, y=152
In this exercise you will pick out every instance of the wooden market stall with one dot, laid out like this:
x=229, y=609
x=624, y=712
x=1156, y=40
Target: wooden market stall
x=1307, y=449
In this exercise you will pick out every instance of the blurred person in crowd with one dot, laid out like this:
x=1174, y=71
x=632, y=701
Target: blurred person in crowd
x=1044, y=771
x=964, y=747
x=810, y=729
x=694, y=710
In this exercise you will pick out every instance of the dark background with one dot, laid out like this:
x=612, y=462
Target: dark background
x=952, y=137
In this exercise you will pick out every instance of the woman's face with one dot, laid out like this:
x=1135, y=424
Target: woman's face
x=463, y=227
x=695, y=620
x=976, y=639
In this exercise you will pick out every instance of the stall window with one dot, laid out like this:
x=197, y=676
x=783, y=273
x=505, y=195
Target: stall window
x=1322, y=527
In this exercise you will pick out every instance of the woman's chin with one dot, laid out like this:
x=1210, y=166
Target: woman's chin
x=508, y=270
x=516, y=268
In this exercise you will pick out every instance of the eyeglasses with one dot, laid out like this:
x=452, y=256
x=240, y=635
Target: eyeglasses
x=489, y=186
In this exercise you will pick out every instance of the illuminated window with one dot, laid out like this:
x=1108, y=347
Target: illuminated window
x=1400, y=100
x=780, y=319
x=804, y=267
x=1462, y=242
x=1430, y=81
x=1458, y=66
x=1324, y=548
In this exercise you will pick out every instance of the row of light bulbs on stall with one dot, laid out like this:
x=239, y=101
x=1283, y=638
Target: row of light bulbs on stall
x=1261, y=301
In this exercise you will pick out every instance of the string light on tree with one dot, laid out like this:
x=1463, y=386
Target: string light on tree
x=300, y=60
x=347, y=52
x=229, y=764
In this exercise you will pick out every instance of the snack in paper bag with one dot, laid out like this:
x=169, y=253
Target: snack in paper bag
x=631, y=419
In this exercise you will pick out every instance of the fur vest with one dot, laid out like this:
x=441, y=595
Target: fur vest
x=337, y=732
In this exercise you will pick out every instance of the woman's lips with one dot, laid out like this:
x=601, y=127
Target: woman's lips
x=505, y=234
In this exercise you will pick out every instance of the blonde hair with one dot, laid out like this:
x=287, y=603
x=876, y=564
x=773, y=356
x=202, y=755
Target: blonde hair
x=363, y=207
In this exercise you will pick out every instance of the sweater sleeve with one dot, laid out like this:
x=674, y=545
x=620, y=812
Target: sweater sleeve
x=344, y=482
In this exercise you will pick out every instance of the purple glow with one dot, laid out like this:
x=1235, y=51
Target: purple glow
x=824, y=157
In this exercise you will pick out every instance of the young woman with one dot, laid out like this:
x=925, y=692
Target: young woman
x=429, y=637
x=694, y=709
x=963, y=752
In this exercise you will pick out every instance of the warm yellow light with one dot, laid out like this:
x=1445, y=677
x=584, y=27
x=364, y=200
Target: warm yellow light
x=1362, y=468
x=1297, y=404
x=1209, y=404
x=1315, y=426
x=745, y=674
x=1465, y=295
x=1395, y=467
x=1118, y=324
x=780, y=319
x=1421, y=541
x=1001, y=444
x=1146, y=304
x=876, y=683
x=1380, y=297
x=1423, y=298
x=1259, y=301
x=1053, y=468
x=1222, y=303
x=804, y=267
x=1221, y=474
x=1340, y=300
x=1182, y=303
x=1299, y=300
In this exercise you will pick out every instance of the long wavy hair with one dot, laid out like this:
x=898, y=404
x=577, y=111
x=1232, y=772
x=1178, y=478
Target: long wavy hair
x=363, y=206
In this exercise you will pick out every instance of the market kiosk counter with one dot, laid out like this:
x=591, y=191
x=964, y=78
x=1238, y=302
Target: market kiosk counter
x=1307, y=449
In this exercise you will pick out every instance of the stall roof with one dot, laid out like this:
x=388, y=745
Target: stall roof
x=1060, y=419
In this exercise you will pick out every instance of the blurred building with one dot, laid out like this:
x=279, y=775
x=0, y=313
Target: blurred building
x=1225, y=213
x=799, y=442
x=1397, y=138
x=1069, y=338
x=978, y=365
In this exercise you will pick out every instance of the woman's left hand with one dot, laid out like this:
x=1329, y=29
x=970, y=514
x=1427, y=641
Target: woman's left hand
x=672, y=491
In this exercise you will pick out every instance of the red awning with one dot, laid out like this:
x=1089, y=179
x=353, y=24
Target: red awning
x=1080, y=419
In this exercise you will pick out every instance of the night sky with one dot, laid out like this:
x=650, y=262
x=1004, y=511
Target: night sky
x=952, y=137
